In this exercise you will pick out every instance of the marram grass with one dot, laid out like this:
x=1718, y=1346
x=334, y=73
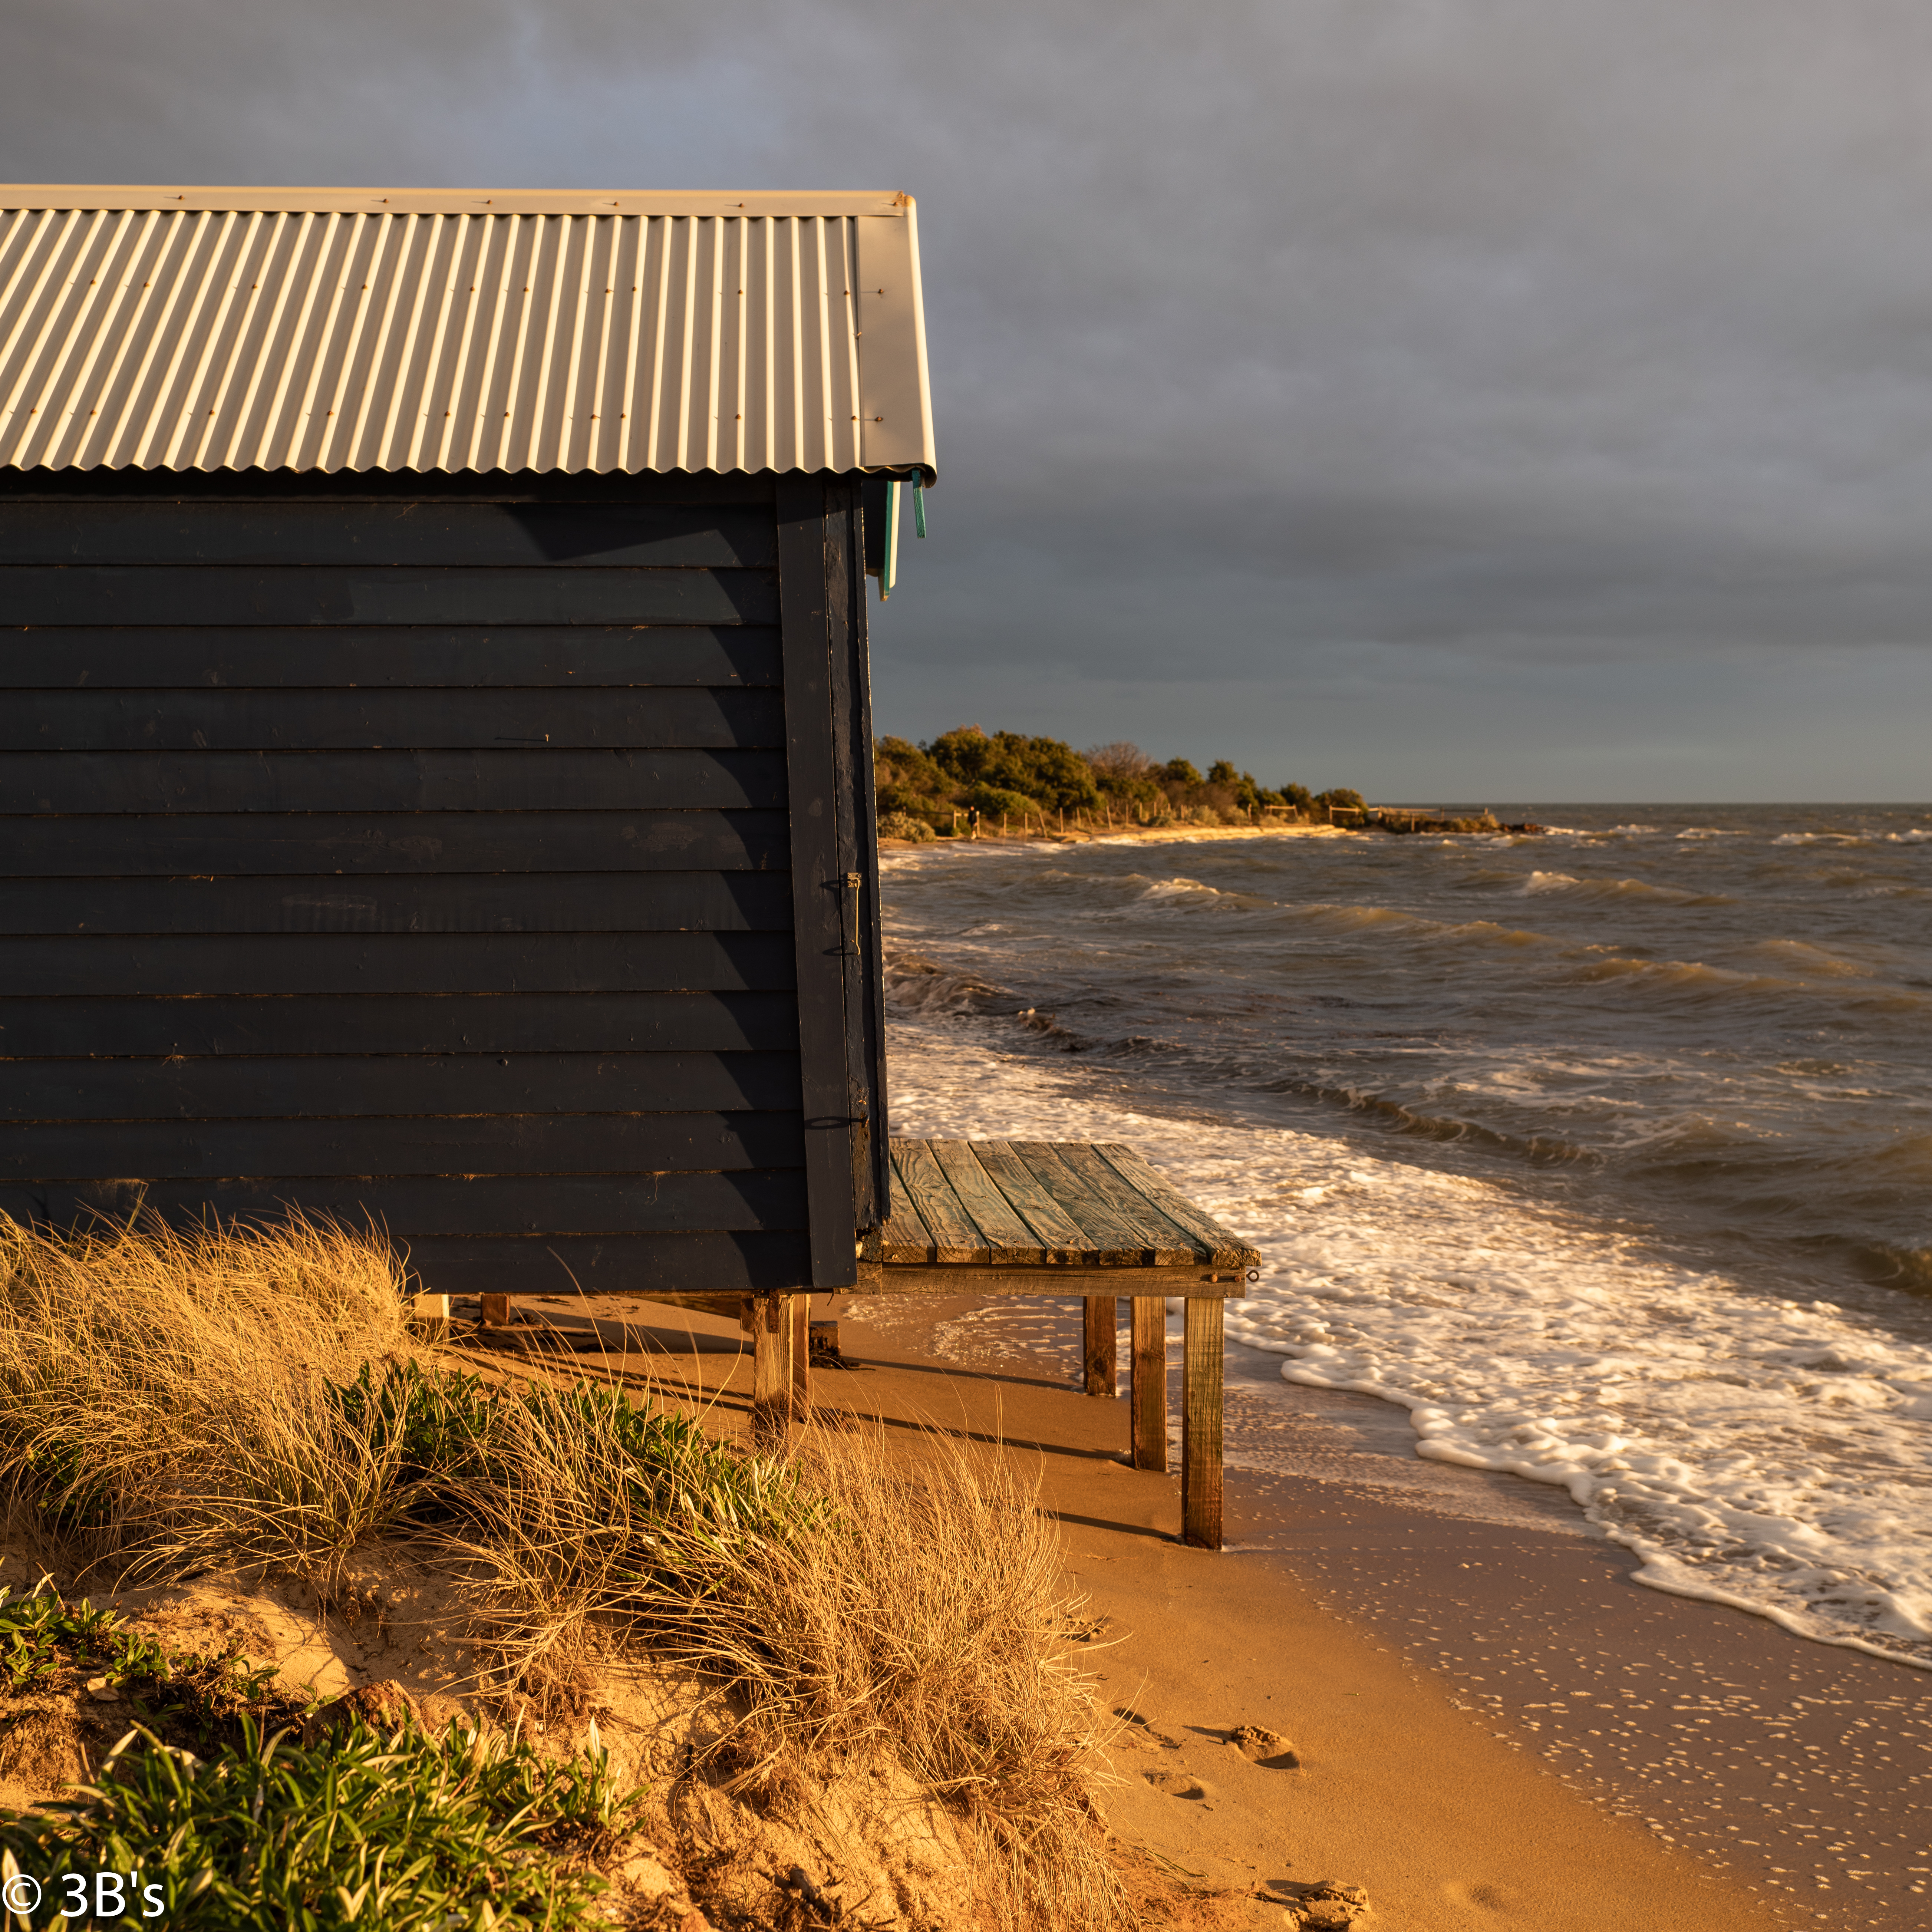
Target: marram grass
x=227, y=1398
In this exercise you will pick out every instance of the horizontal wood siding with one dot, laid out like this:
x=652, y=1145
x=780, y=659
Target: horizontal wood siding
x=413, y=853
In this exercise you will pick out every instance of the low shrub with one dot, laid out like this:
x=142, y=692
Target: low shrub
x=903, y=825
x=48, y=1645
x=400, y=1832
x=995, y=802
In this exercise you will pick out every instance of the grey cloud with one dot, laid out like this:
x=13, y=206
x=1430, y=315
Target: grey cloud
x=1517, y=380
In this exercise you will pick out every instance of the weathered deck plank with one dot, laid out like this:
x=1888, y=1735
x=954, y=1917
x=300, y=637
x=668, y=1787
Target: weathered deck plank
x=1225, y=1250
x=1111, y=1242
x=955, y=1237
x=999, y=1222
x=905, y=1237
x=1063, y=1239
x=1165, y=1244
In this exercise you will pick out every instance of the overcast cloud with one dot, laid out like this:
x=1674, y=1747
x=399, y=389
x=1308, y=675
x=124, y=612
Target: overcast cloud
x=1484, y=399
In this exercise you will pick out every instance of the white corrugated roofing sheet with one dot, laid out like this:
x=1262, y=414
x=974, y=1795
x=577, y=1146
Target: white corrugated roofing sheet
x=237, y=329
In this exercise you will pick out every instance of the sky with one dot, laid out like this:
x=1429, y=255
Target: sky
x=1462, y=399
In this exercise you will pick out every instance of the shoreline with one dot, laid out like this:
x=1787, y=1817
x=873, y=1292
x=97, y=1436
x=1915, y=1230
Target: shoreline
x=1149, y=835
x=1791, y=1774
x=1494, y=1721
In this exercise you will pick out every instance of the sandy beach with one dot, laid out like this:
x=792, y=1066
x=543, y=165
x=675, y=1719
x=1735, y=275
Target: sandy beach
x=1494, y=1726
x=1139, y=834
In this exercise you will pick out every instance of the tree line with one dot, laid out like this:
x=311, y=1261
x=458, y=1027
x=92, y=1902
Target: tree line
x=926, y=789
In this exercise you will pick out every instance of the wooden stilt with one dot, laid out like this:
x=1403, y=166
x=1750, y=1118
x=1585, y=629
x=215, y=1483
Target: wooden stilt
x=1149, y=1401
x=801, y=1356
x=1200, y=1427
x=771, y=1367
x=496, y=1313
x=1103, y=1315
x=429, y=1314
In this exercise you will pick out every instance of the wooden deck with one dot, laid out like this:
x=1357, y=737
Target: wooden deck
x=1060, y=1218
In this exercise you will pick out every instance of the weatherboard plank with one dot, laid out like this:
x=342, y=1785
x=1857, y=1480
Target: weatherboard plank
x=375, y=593
x=343, y=1085
x=356, y=1024
x=502, y=1144
x=280, y=964
x=568, y=902
x=539, y=657
x=349, y=843
x=342, y=719
x=522, y=778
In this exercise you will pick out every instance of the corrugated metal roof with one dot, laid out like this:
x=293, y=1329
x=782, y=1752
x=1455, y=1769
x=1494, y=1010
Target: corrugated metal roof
x=364, y=328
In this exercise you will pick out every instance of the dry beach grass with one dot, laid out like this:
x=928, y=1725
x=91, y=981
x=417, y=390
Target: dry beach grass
x=252, y=1403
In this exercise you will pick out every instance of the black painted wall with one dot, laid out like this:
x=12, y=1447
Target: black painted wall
x=421, y=848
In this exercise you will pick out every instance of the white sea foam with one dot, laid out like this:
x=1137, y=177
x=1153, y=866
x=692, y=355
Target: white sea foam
x=1772, y=1454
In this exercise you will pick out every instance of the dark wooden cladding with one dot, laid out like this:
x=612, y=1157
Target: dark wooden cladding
x=683, y=536
x=499, y=780
x=344, y=720
x=362, y=1024
x=344, y=1085
x=502, y=1204
x=420, y=850
x=313, y=596
x=761, y=1262
x=332, y=844
x=540, y=902
x=200, y=966
x=533, y=1144
x=425, y=657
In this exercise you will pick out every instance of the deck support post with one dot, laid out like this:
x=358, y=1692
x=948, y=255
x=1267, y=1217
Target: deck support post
x=1201, y=1426
x=1148, y=1400
x=771, y=1371
x=1103, y=1318
x=801, y=1356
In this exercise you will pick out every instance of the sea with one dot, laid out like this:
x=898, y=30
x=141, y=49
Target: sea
x=1599, y=1157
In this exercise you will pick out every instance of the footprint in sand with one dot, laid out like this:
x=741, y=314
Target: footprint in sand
x=1146, y=1731
x=1260, y=1745
x=1486, y=1897
x=1175, y=1784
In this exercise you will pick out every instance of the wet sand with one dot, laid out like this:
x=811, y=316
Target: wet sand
x=1495, y=1726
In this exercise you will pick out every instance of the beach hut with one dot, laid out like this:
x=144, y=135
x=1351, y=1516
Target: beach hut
x=435, y=753
x=436, y=732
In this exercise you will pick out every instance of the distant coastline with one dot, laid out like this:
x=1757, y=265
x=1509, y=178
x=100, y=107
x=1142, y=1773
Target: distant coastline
x=970, y=783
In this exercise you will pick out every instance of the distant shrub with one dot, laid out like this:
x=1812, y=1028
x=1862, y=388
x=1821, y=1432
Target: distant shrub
x=1342, y=795
x=903, y=825
x=995, y=802
x=1047, y=772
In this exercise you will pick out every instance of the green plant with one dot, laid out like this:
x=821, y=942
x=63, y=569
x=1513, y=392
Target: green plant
x=47, y=1643
x=387, y=1833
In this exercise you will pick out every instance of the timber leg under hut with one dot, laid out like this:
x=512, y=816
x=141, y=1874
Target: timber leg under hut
x=1103, y=1314
x=1201, y=1426
x=1148, y=1400
x=773, y=1375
